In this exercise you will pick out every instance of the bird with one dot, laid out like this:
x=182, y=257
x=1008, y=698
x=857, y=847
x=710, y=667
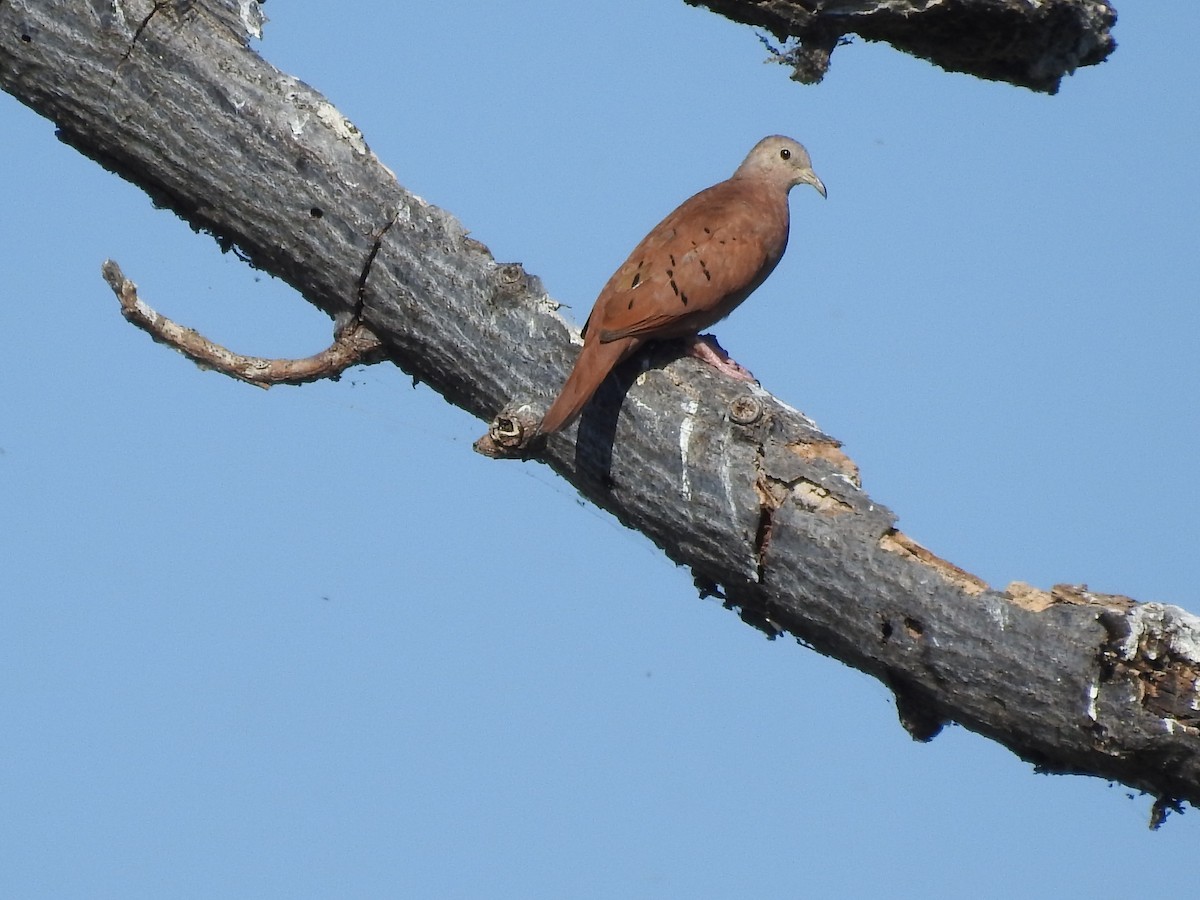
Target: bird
x=690, y=271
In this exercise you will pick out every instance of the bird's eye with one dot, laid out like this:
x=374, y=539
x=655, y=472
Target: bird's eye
x=785, y=153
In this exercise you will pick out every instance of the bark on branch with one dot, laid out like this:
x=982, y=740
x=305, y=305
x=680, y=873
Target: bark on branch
x=764, y=508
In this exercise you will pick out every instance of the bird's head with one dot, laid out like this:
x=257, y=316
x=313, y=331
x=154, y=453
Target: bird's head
x=781, y=161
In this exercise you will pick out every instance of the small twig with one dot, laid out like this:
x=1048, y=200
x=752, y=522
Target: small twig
x=353, y=345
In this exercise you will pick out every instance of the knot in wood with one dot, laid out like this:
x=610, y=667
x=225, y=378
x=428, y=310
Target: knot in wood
x=745, y=410
x=507, y=432
x=510, y=278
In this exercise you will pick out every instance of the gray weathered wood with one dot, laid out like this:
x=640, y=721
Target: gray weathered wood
x=729, y=481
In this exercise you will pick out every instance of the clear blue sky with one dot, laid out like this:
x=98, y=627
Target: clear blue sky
x=257, y=643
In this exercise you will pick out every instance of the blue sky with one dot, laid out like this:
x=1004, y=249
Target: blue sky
x=252, y=643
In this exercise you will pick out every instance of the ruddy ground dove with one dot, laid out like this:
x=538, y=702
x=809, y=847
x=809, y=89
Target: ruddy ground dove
x=690, y=271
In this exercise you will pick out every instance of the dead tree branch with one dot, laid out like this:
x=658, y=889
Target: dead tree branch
x=763, y=507
x=1031, y=45
x=353, y=345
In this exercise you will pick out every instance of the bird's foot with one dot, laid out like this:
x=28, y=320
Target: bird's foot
x=705, y=347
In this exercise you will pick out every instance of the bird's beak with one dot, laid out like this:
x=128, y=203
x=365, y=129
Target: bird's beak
x=808, y=176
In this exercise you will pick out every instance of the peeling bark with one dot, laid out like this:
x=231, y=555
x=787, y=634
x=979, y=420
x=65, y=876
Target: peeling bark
x=763, y=507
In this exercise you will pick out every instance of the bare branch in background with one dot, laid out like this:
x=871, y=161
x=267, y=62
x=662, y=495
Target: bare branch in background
x=1031, y=45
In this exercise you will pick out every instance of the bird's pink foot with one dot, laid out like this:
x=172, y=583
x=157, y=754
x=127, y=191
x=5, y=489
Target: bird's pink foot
x=705, y=347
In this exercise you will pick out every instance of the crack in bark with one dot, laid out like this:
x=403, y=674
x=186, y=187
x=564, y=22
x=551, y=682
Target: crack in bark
x=159, y=6
x=774, y=488
x=767, y=504
x=360, y=293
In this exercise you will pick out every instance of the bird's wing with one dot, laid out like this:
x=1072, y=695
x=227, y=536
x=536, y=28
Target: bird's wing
x=695, y=266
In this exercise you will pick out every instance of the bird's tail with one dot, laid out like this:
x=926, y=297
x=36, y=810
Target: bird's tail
x=595, y=361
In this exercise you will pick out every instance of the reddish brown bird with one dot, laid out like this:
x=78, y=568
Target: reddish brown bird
x=697, y=264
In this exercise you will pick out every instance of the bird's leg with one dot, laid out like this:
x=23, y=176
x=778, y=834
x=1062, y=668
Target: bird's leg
x=705, y=347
